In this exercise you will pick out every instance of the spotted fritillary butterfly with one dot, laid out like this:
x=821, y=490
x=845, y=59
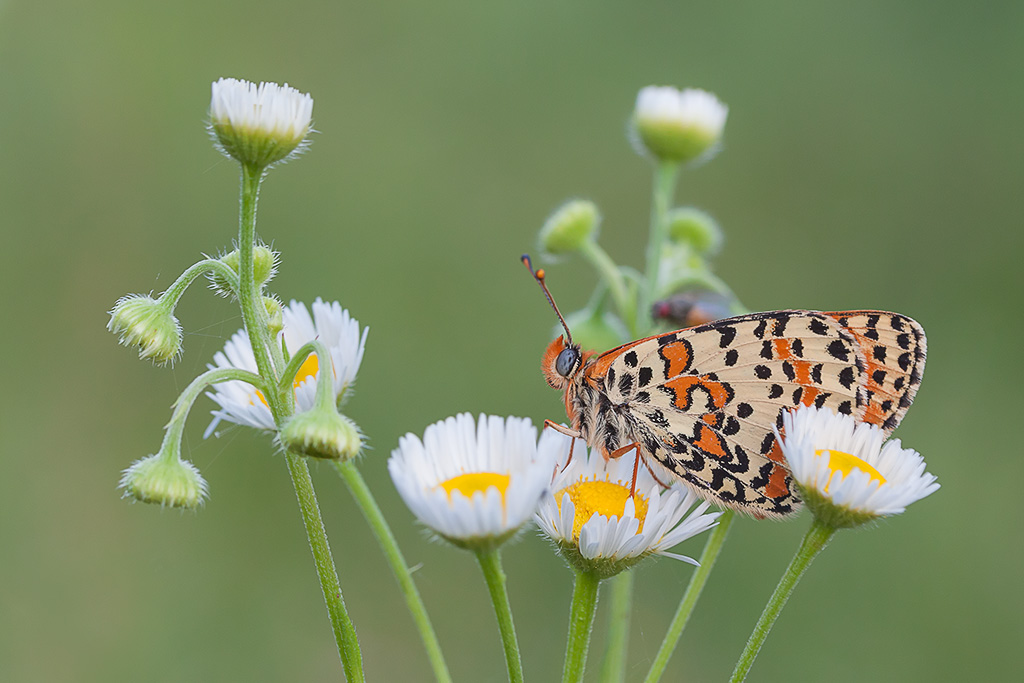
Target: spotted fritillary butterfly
x=702, y=401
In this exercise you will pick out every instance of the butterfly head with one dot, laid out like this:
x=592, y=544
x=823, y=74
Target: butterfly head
x=561, y=362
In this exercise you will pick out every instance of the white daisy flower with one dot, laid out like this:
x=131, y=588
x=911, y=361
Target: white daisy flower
x=474, y=484
x=600, y=528
x=678, y=125
x=242, y=404
x=846, y=472
x=259, y=124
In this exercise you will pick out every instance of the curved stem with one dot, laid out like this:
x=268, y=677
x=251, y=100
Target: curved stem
x=178, y=287
x=664, y=187
x=184, y=402
x=814, y=542
x=581, y=622
x=610, y=274
x=613, y=669
x=344, y=630
x=490, y=564
x=361, y=493
x=700, y=577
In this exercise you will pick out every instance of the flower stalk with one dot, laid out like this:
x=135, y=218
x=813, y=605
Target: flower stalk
x=815, y=540
x=693, y=590
x=581, y=622
x=393, y=554
x=490, y=565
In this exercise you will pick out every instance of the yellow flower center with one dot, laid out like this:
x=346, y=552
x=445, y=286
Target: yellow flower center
x=602, y=497
x=308, y=369
x=468, y=484
x=838, y=461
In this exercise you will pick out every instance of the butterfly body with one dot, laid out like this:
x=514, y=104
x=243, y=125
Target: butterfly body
x=702, y=401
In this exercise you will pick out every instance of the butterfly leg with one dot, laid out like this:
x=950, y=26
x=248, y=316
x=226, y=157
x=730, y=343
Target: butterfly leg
x=561, y=429
x=618, y=452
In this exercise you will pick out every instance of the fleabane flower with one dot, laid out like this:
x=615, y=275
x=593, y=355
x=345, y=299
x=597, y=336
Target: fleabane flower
x=242, y=404
x=475, y=483
x=259, y=125
x=846, y=472
x=142, y=321
x=678, y=125
x=601, y=529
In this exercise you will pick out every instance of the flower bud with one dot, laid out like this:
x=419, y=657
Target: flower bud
x=144, y=322
x=678, y=126
x=275, y=315
x=569, y=227
x=264, y=267
x=695, y=228
x=259, y=125
x=165, y=481
x=322, y=433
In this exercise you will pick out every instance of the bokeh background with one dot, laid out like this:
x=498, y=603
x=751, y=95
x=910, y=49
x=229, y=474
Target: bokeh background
x=873, y=158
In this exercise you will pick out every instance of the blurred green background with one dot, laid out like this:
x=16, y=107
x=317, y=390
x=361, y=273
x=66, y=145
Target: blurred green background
x=872, y=158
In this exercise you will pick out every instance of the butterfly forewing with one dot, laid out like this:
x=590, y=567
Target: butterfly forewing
x=702, y=401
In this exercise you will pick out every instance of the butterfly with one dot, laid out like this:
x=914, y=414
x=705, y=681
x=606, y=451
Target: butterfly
x=702, y=401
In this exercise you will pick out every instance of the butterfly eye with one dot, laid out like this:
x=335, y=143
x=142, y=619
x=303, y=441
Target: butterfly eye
x=566, y=361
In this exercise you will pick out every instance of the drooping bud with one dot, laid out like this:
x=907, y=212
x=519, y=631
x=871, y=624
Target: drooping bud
x=164, y=481
x=264, y=267
x=142, y=321
x=322, y=433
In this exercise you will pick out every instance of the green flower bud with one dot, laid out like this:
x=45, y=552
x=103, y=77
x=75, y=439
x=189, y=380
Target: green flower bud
x=165, y=481
x=569, y=227
x=275, y=315
x=264, y=267
x=678, y=126
x=322, y=433
x=259, y=125
x=695, y=228
x=142, y=321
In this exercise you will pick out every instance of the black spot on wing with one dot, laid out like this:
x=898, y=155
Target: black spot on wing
x=644, y=376
x=818, y=326
x=846, y=376
x=731, y=357
x=630, y=359
x=838, y=350
x=728, y=334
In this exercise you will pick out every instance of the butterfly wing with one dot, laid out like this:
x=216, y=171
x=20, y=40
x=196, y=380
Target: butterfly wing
x=702, y=401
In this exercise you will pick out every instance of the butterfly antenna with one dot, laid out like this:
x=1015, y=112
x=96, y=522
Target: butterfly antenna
x=538, y=275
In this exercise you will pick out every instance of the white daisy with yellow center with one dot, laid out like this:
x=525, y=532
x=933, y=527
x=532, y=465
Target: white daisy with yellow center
x=475, y=483
x=242, y=404
x=600, y=527
x=846, y=471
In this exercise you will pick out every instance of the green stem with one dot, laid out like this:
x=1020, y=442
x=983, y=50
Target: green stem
x=490, y=564
x=344, y=630
x=581, y=622
x=270, y=361
x=173, y=293
x=700, y=577
x=664, y=188
x=611, y=274
x=249, y=298
x=171, y=446
x=361, y=493
x=613, y=669
x=814, y=542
